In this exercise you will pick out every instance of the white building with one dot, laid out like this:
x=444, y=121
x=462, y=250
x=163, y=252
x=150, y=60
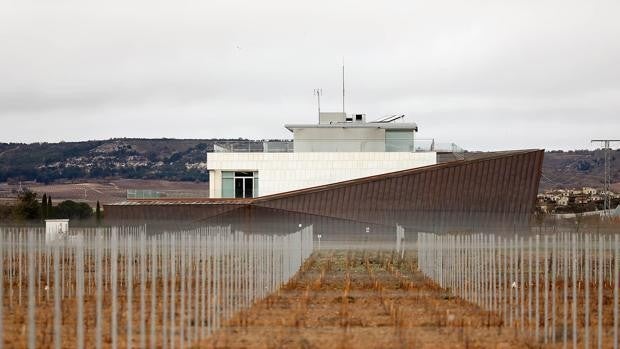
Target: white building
x=589, y=191
x=340, y=147
x=562, y=201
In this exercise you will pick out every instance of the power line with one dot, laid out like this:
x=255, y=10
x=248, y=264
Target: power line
x=606, y=149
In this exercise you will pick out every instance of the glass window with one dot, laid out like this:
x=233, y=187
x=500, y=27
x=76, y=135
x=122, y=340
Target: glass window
x=239, y=184
x=398, y=141
x=228, y=184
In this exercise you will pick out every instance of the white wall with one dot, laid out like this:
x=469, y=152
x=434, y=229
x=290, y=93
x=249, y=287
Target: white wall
x=56, y=229
x=281, y=172
x=339, y=139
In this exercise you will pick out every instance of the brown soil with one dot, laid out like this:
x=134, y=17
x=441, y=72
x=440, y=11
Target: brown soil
x=362, y=300
x=105, y=192
x=338, y=300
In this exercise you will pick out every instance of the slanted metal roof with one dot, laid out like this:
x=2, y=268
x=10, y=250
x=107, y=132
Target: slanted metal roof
x=482, y=188
x=183, y=201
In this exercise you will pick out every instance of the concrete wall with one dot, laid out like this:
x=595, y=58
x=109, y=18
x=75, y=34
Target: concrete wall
x=281, y=172
x=339, y=139
x=215, y=183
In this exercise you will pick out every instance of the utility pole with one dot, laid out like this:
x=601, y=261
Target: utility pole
x=318, y=92
x=343, y=112
x=607, y=183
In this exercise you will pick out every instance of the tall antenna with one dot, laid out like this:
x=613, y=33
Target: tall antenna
x=607, y=183
x=343, y=85
x=318, y=92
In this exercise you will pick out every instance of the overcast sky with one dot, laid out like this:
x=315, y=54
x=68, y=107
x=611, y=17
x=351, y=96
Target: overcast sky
x=483, y=74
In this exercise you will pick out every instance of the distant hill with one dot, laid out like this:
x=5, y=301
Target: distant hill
x=185, y=160
x=170, y=159
x=579, y=168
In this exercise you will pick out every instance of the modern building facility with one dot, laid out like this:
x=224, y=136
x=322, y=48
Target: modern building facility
x=347, y=174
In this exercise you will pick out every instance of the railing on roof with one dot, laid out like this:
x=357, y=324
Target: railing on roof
x=336, y=145
x=253, y=147
x=440, y=147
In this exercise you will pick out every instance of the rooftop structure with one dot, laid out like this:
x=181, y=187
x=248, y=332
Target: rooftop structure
x=337, y=132
x=340, y=147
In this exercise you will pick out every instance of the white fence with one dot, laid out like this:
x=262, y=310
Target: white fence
x=560, y=288
x=121, y=287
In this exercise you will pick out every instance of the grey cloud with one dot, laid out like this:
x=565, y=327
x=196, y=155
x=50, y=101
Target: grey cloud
x=474, y=72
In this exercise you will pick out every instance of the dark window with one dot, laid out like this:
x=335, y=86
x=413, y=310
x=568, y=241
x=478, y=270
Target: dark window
x=249, y=187
x=239, y=187
x=244, y=174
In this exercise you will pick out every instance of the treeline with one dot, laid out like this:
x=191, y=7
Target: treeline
x=165, y=159
x=29, y=208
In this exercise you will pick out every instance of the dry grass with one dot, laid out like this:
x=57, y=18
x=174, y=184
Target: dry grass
x=362, y=300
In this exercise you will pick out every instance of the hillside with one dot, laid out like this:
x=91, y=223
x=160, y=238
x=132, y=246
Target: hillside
x=169, y=159
x=185, y=160
x=574, y=169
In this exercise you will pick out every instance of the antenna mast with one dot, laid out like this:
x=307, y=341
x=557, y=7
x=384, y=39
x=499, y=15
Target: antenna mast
x=607, y=183
x=343, y=85
x=318, y=92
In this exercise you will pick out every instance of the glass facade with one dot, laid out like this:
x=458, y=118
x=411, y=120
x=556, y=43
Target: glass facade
x=398, y=141
x=239, y=184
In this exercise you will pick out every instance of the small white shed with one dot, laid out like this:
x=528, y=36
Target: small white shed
x=56, y=229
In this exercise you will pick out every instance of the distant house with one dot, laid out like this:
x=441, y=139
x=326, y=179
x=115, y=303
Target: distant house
x=582, y=199
x=596, y=198
x=589, y=191
x=563, y=200
x=556, y=198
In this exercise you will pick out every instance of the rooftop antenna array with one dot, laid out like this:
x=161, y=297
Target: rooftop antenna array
x=318, y=92
x=389, y=118
x=607, y=182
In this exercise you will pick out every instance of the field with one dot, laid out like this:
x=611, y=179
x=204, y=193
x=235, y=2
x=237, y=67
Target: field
x=119, y=288
x=104, y=191
x=362, y=299
x=212, y=287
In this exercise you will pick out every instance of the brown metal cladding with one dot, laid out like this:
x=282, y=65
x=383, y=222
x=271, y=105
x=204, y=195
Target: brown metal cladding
x=167, y=212
x=501, y=187
x=486, y=189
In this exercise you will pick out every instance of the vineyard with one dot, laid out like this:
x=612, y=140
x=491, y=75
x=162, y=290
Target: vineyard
x=122, y=288
x=556, y=289
x=213, y=287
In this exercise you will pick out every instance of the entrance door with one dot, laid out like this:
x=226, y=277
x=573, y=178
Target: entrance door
x=248, y=188
x=244, y=184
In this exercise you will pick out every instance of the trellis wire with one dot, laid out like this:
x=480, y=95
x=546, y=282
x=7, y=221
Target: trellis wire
x=539, y=264
x=186, y=283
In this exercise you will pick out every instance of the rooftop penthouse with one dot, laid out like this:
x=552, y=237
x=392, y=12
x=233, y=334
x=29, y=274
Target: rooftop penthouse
x=337, y=133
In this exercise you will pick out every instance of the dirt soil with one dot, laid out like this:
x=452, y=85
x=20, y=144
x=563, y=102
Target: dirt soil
x=106, y=192
x=362, y=300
